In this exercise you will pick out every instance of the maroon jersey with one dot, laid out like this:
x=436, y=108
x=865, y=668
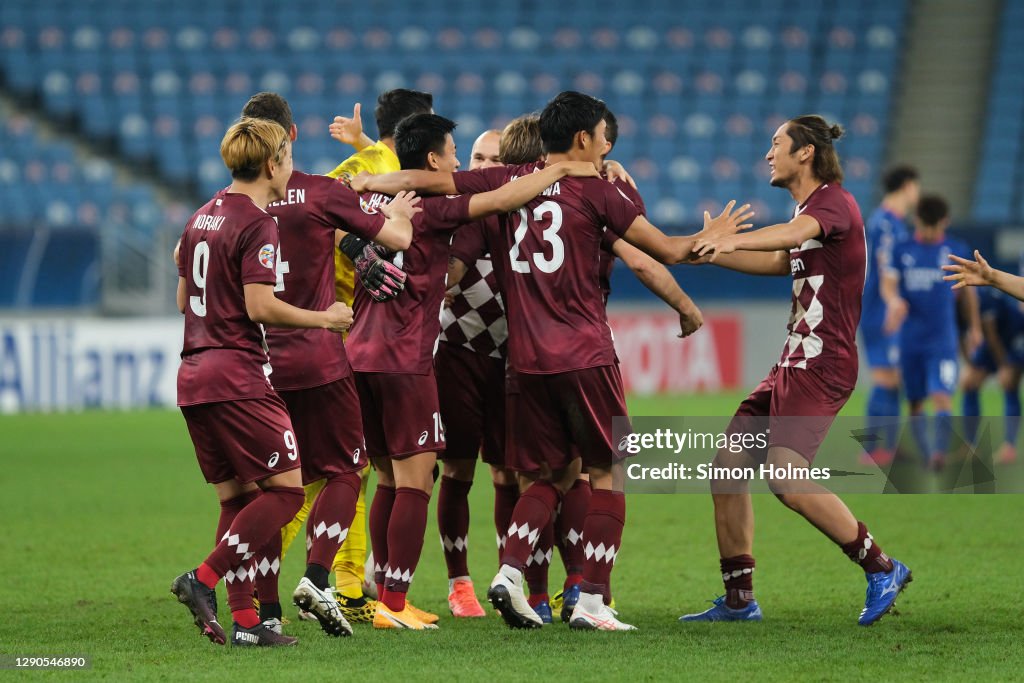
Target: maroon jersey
x=476, y=318
x=228, y=243
x=828, y=280
x=398, y=336
x=556, y=314
x=610, y=238
x=314, y=206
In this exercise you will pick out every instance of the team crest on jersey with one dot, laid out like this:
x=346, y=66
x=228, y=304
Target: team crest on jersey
x=370, y=206
x=267, y=256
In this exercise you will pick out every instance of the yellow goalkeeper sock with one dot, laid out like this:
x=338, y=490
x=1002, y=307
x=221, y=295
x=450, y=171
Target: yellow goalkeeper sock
x=348, y=563
x=291, y=530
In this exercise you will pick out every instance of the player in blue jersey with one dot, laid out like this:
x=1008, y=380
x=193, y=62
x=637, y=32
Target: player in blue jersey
x=924, y=313
x=886, y=227
x=1001, y=354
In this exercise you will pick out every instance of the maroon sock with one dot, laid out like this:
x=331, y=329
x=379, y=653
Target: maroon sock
x=229, y=509
x=267, y=562
x=569, y=529
x=380, y=516
x=405, y=542
x=331, y=517
x=532, y=513
x=453, y=524
x=539, y=562
x=253, y=527
x=602, y=534
x=738, y=576
x=240, y=583
x=505, y=497
x=866, y=552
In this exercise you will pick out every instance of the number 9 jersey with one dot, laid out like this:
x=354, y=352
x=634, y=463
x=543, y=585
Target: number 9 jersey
x=228, y=243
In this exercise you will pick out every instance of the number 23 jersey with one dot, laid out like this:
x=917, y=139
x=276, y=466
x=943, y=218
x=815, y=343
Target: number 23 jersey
x=551, y=255
x=230, y=242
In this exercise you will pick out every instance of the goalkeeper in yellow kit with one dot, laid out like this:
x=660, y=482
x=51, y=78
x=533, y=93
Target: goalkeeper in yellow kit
x=374, y=158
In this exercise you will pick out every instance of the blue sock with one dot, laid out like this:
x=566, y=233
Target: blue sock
x=883, y=410
x=971, y=408
x=919, y=425
x=892, y=410
x=943, y=431
x=1011, y=407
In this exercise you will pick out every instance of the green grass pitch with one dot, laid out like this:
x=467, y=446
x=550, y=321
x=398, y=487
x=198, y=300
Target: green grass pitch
x=104, y=509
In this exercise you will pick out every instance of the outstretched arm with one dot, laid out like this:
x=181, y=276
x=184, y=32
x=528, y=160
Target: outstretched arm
x=754, y=262
x=979, y=273
x=424, y=182
x=783, y=236
x=513, y=195
x=656, y=278
x=673, y=250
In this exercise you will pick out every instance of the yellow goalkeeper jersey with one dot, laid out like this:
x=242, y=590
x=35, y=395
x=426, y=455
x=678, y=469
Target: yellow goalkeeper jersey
x=375, y=160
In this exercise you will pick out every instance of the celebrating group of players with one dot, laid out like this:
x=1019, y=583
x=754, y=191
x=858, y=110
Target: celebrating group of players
x=521, y=361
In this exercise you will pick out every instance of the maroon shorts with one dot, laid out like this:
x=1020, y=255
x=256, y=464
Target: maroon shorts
x=247, y=440
x=400, y=414
x=796, y=405
x=554, y=418
x=329, y=427
x=471, y=393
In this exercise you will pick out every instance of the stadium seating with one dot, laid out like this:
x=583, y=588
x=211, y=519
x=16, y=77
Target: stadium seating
x=162, y=79
x=998, y=196
x=698, y=88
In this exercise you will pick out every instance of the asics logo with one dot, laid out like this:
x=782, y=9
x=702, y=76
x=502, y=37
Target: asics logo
x=423, y=438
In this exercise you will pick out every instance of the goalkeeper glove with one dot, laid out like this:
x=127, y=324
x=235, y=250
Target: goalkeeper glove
x=382, y=279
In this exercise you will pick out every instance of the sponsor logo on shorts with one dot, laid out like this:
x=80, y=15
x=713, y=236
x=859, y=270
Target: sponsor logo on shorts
x=267, y=256
x=423, y=438
x=274, y=457
x=355, y=456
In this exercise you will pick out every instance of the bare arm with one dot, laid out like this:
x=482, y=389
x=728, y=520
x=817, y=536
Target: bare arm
x=179, y=297
x=263, y=307
x=673, y=250
x=424, y=182
x=967, y=301
x=456, y=271
x=656, y=278
x=396, y=233
x=513, y=195
x=896, y=308
x=772, y=238
x=756, y=262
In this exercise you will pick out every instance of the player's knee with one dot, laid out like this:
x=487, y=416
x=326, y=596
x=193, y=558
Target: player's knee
x=463, y=470
x=502, y=477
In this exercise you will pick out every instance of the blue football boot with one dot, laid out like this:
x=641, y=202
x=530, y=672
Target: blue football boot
x=722, y=612
x=883, y=589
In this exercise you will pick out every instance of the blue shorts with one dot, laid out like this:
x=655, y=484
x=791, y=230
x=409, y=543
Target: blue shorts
x=928, y=372
x=883, y=351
